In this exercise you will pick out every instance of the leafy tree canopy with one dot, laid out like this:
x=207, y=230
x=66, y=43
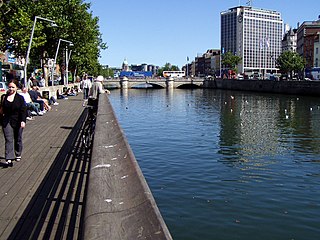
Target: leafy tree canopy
x=168, y=67
x=106, y=72
x=230, y=60
x=290, y=63
x=75, y=24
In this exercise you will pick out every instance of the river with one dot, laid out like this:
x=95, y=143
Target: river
x=227, y=165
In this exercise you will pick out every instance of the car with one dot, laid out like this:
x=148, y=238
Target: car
x=3, y=87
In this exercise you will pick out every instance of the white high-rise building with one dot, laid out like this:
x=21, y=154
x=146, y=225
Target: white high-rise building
x=253, y=34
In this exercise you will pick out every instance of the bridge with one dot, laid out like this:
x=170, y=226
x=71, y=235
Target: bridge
x=154, y=82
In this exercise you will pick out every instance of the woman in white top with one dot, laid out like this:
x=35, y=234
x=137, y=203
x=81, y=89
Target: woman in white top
x=86, y=85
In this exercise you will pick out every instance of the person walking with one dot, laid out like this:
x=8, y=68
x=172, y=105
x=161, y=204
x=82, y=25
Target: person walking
x=13, y=123
x=86, y=85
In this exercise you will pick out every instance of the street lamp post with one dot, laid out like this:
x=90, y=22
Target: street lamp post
x=67, y=65
x=56, y=55
x=53, y=23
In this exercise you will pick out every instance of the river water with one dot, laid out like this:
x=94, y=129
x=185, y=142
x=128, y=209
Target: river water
x=227, y=165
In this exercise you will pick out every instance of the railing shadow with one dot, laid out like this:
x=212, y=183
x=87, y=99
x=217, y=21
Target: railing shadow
x=56, y=210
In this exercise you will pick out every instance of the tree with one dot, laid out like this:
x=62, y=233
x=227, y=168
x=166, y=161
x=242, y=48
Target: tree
x=167, y=67
x=231, y=61
x=290, y=63
x=106, y=72
x=75, y=23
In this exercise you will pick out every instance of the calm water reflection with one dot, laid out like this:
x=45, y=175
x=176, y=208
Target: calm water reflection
x=227, y=165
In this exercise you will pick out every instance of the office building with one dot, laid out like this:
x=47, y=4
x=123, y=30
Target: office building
x=306, y=36
x=253, y=34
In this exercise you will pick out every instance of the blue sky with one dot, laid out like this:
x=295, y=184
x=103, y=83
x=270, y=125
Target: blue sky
x=157, y=32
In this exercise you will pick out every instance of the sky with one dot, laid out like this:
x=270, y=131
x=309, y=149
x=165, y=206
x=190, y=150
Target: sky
x=169, y=31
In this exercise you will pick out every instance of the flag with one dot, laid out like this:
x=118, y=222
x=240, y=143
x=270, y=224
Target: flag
x=261, y=43
x=267, y=43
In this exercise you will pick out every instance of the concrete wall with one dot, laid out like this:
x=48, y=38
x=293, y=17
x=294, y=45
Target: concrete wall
x=52, y=89
x=311, y=88
x=119, y=203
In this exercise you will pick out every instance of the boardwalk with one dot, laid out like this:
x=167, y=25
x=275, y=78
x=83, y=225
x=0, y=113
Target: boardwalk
x=42, y=197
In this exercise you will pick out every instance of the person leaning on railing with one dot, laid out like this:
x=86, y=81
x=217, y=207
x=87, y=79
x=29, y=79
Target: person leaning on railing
x=95, y=90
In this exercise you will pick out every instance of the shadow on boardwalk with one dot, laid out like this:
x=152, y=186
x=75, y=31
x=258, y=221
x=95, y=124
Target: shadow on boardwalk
x=56, y=209
x=52, y=208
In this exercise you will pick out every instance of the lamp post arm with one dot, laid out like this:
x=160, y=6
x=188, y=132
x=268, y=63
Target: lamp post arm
x=45, y=19
x=56, y=55
x=29, y=46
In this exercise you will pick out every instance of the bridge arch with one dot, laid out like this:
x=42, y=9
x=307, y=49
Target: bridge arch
x=158, y=84
x=111, y=85
x=187, y=85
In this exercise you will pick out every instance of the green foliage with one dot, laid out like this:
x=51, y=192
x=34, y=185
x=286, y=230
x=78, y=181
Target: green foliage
x=75, y=23
x=106, y=72
x=231, y=61
x=167, y=67
x=290, y=63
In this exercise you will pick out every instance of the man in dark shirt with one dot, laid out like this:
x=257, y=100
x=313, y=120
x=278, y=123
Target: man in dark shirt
x=35, y=98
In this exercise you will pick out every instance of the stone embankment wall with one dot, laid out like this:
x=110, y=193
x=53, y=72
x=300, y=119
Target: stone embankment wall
x=311, y=88
x=119, y=203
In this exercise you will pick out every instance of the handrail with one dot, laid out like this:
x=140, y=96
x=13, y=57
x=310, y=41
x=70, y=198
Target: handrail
x=119, y=203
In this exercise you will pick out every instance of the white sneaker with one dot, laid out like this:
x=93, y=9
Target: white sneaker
x=33, y=113
x=56, y=103
x=30, y=118
x=40, y=113
x=9, y=163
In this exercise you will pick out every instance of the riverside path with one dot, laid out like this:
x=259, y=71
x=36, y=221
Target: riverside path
x=42, y=197
x=65, y=189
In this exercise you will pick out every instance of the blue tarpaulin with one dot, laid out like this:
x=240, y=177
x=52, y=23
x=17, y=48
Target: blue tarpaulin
x=139, y=74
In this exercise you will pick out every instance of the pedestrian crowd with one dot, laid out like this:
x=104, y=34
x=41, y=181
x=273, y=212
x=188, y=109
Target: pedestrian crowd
x=19, y=106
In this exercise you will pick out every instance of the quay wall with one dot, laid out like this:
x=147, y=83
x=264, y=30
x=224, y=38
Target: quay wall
x=311, y=88
x=119, y=203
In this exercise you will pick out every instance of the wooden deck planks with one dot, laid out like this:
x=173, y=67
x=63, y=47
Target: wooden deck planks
x=42, y=196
